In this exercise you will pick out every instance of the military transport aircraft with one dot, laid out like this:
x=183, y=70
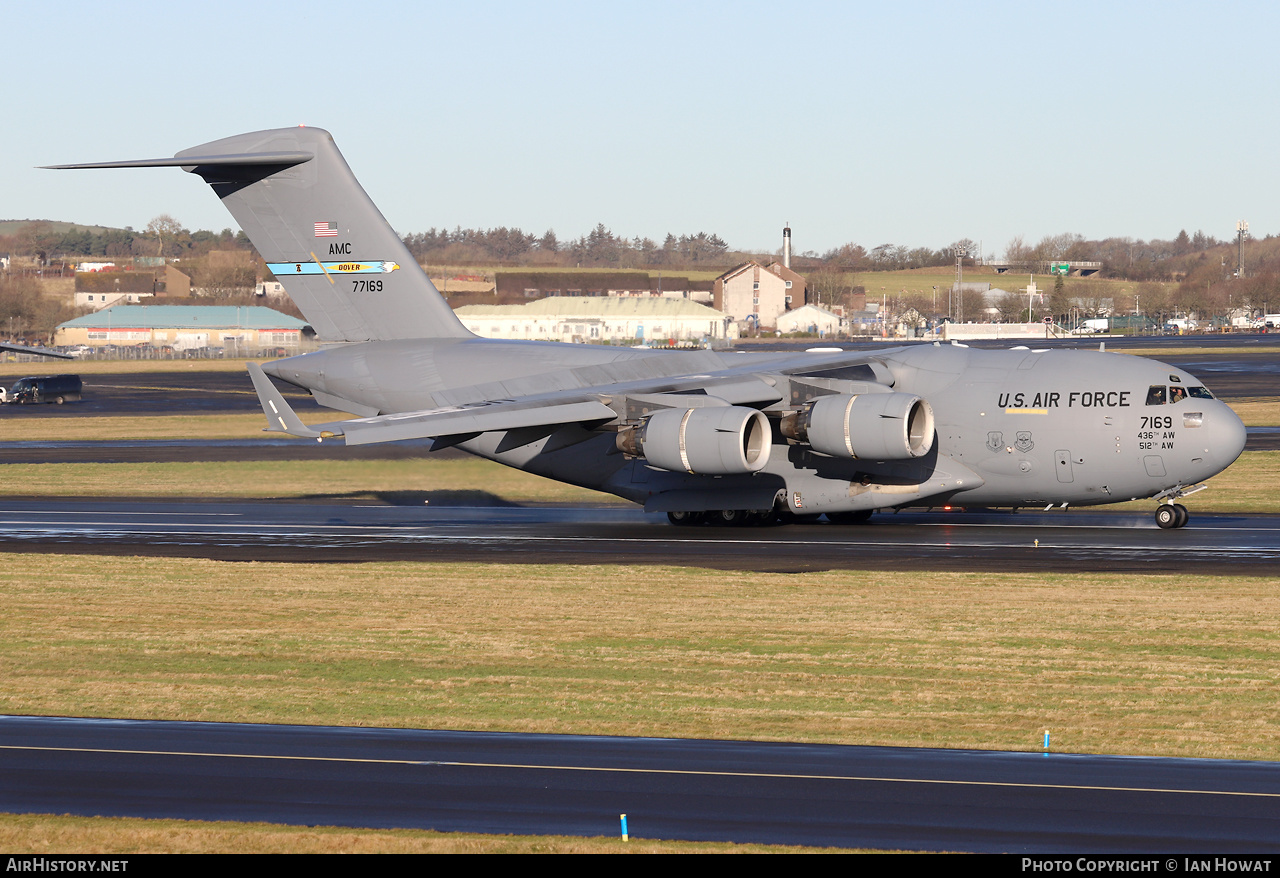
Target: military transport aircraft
x=703, y=436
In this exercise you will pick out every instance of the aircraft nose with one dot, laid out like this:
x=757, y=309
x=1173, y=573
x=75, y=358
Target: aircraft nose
x=1223, y=435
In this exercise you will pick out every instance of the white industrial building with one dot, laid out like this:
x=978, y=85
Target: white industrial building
x=596, y=319
x=809, y=318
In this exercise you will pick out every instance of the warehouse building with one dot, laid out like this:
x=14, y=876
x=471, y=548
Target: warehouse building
x=186, y=327
x=596, y=319
x=810, y=318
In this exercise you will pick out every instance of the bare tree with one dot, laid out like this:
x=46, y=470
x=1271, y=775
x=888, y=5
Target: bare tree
x=164, y=226
x=1017, y=251
x=831, y=287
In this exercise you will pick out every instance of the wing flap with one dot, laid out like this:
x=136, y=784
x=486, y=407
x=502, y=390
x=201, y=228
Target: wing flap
x=524, y=421
x=753, y=390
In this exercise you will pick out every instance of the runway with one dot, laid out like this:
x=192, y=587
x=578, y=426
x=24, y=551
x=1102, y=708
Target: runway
x=978, y=541
x=876, y=797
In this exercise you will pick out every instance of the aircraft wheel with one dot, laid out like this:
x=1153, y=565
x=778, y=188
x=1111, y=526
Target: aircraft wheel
x=862, y=516
x=1166, y=516
x=684, y=519
x=59, y=400
x=1183, y=515
x=727, y=517
x=760, y=517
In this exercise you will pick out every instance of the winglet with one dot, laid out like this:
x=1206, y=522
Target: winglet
x=280, y=417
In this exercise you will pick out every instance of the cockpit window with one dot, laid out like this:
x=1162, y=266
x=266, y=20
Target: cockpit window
x=1156, y=395
x=1200, y=392
x=1177, y=394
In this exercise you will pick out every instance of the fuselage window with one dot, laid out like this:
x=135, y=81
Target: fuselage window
x=1200, y=393
x=1156, y=395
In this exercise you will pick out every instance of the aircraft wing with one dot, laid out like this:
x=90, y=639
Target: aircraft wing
x=43, y=352
x=536, y=419
x=529, y=418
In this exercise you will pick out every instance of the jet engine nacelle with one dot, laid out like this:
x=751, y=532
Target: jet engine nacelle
x=871, y=426
x=711, y=440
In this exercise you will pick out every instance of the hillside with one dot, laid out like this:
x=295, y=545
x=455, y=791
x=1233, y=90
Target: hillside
x=13, y=227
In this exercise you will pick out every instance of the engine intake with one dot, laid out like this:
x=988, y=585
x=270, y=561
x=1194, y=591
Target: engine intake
x=871, y=426
x=711, y=440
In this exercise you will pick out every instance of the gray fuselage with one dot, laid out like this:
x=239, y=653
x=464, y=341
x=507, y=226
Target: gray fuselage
x=1013, y=427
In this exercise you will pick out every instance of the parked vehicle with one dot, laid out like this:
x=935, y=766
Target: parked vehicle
x=55, y=389
x=1092, y=326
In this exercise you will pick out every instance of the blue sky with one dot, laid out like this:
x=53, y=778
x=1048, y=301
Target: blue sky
x=910, y=123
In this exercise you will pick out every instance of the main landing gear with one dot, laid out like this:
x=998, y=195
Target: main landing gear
x=724, y=517
x=761, y=517
x=1171, y=515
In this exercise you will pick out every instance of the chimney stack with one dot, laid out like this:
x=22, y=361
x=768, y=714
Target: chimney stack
x=786, y=245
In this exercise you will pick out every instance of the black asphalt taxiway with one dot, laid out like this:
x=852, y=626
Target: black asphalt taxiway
x=738, y=791
x=267, y=531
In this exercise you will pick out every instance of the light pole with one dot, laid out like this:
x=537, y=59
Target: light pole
x=1242, y=232
x=1031, y=291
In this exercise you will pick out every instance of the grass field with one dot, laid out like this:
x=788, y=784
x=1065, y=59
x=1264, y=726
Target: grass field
x=923, y=280
x=98, y=367
x=465, y=481
x=49, y=834
x=1171, y=665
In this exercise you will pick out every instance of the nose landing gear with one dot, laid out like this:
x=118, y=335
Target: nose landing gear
x=1171, y=515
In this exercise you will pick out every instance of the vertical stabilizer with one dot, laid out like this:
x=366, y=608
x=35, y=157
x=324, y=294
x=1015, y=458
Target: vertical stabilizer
x=292, y=192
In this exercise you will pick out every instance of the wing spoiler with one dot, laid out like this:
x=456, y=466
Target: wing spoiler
x=445, y=425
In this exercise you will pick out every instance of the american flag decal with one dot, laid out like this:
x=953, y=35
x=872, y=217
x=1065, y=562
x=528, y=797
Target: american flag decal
x=326, y=230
